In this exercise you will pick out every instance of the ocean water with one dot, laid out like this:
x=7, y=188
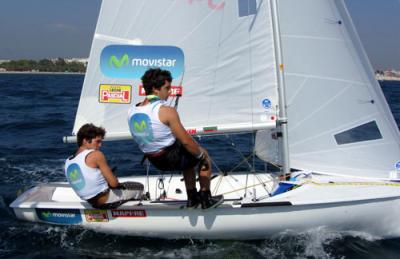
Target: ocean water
x=37, y=110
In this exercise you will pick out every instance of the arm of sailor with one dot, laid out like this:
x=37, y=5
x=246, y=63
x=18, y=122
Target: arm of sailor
x=170, y=117
x=100, y=160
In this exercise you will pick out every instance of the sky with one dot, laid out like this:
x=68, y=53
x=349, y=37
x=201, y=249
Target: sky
x=37, y=29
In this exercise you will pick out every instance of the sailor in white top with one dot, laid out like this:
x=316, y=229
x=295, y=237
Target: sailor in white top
x=90, y=176
x=158, y=131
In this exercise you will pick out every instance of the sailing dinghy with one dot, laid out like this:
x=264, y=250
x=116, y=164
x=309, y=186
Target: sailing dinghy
x=292, y=72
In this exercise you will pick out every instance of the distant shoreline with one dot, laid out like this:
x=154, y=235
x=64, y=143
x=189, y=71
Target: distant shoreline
x=41, y=73
x=387, y=78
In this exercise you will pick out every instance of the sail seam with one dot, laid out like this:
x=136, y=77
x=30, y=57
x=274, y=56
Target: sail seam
x=312, y=38
x=298, y=90
x=166, y=14
x=310, y=115
x=325, y=78
x=195, y=28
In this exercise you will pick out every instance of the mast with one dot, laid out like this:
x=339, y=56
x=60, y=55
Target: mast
x=282, y=120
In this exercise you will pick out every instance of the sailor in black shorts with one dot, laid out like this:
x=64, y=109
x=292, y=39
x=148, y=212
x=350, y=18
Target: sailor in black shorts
x=159, y=133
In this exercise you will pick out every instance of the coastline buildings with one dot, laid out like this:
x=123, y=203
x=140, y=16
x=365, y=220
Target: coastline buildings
x=83, y=61
x=59, y=65
x=391, y=74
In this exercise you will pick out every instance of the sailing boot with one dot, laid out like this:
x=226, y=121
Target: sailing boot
x=207, y=201
x=193, y=198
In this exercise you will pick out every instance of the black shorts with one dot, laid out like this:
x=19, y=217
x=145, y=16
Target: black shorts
x=175, y=158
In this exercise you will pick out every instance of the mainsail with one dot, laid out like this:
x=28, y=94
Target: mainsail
x=221, y=53
x=338, y=119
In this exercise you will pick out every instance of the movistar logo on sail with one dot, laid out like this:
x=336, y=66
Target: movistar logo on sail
x=129, y=61
x=118, y=63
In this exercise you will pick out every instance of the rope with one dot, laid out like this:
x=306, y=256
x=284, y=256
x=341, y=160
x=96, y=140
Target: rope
x=248, y=186
x=354, y=183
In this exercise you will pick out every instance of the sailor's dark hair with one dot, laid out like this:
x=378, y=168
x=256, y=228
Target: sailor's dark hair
x=155, y=77
x=89, y=132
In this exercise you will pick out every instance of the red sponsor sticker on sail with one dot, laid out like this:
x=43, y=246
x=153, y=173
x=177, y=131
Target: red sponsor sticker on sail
x=128, y=213
x=115, y=93
x=175, y=90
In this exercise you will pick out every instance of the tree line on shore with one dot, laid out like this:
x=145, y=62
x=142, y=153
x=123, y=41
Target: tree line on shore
x=44, y=65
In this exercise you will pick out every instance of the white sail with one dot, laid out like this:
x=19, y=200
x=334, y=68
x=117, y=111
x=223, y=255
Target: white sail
x=221, y=52
x=339, y=121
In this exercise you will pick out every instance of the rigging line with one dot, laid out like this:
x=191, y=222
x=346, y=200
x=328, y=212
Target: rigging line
x=232, y=187
x=215, y=164
x=243, y=161
x=169, y=183
x=260, y=181
x=246, y=184
x=240, y=153
x=177, y=96
x=275, y=164
x=218, y=184
x=245, y=188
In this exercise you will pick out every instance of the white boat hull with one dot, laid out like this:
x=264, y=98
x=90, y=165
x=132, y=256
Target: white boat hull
x=309, y=206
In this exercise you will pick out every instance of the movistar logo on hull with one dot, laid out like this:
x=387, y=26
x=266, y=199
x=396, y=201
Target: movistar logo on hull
x=59, y=216
x=128, y=61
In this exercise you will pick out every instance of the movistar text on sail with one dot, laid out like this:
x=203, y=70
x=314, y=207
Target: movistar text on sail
x=160, y=62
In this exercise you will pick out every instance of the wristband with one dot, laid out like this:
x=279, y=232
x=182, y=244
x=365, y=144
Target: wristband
x=200, y=155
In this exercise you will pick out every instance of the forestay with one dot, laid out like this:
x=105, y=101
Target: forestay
x=220, y=52
x=339, y=121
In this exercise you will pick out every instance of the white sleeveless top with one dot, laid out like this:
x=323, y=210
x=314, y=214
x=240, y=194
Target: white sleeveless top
x=146, y=128
x=86, y=181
